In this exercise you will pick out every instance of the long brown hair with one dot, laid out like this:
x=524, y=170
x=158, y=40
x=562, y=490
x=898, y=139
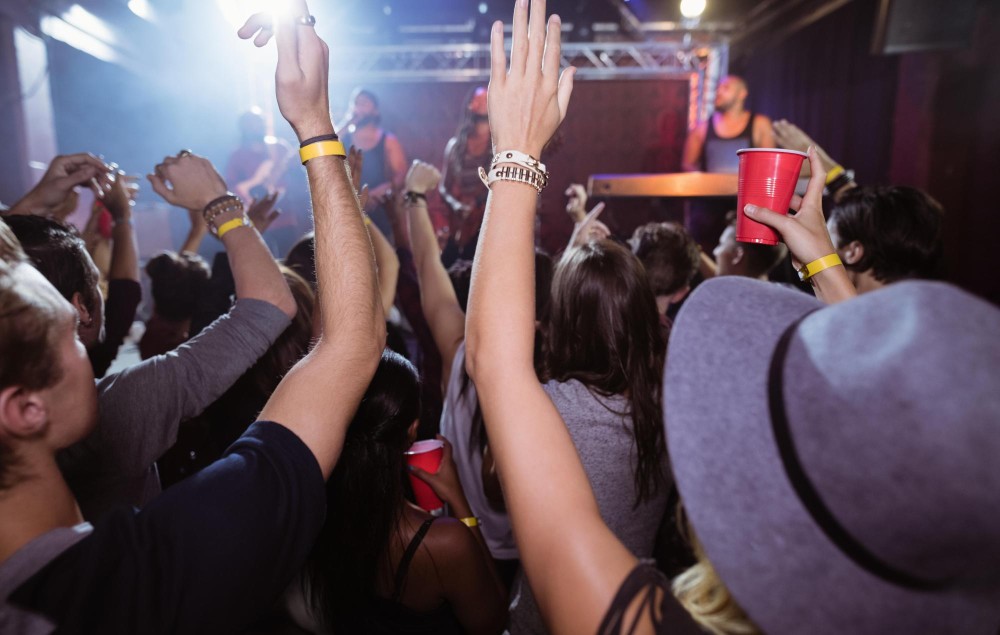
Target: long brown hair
x=603, y=330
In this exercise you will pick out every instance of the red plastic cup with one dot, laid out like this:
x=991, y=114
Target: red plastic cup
x=427, y=456
x=767, y=179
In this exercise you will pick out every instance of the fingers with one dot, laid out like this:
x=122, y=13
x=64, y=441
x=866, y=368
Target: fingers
x=519, y=38
x=777, y=222
x=594, y=213
x=257, y=22
x=565, y=90
x=78, y=177
x=553, y=49
x=289, y=67
x=160, y=187
x=536, y=36
x=498, y=57
x=796, y=202
x=423, y=475
x=814, y=191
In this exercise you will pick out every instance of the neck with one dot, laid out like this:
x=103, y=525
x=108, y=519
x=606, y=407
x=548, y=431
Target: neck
x=734, y=112
x=39, y=502
x=864, y=281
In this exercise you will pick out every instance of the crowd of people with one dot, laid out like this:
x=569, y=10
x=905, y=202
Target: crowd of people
x=637, y=436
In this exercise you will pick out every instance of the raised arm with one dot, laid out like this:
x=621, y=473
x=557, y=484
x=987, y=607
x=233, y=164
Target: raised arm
x=386, y=260
x=318, y=397
x=573, y=562
x=195, y=184
x=437, y=295
x=124, y=251
x=63, y=176
x=693, y=146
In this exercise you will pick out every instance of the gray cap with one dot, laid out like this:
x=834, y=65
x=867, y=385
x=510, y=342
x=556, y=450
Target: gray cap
x=881, y=511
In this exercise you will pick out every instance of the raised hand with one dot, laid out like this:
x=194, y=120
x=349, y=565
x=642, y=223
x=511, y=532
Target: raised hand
x=302, y=76
x=187, y=180
x=590, y=228
x=119, y=198
x=262, y=212
x=58, y=185
x=421, y=177
x=805, y=232
x=356, y=164
x=528, y=101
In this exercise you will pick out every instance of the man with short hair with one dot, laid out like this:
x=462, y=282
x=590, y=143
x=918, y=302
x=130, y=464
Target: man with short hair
x=670, y=257
x=750, y=260
x=887, y=234
x=712, y=146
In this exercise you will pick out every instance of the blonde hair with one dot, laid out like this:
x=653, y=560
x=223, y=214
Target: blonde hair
x=704, y=595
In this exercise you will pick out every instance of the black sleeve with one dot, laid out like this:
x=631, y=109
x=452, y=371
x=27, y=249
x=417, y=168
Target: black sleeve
x=119, y=312
x=207, y=556
x=217, y=298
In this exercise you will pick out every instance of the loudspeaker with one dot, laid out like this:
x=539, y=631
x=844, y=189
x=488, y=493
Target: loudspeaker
x=907, y=26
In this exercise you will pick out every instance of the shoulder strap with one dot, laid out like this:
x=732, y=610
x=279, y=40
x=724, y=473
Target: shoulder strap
x=748, y=131
x=404, y=562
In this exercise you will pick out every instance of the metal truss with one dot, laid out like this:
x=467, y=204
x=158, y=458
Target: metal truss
x=471, y=62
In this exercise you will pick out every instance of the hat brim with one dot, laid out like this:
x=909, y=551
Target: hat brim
x=775, y=561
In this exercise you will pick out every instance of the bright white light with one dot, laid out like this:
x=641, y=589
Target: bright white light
x=692, y=8
x=236, y=12
x=483, y=8
x=58, y=29
x=387, y=10
x=89, y=23
x=141, y=8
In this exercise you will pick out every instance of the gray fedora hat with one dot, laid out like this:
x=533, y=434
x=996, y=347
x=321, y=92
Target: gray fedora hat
x=841, y=465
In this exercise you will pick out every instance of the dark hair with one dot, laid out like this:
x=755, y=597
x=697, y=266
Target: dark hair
x=899, y=227
x=177, y=281
x=60, y=255
x=604, y=331
x=760, y=259
x=461, y=136
x=361, y=91
x=669, y=255
x=365, y=497
x=29, y=344
x=301, y=258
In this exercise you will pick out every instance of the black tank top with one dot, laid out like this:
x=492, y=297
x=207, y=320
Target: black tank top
x=719, y=155
x=389, y=616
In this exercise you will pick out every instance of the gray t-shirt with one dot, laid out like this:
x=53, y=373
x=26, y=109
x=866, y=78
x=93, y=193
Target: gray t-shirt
x=602, y=433
x=141, y=408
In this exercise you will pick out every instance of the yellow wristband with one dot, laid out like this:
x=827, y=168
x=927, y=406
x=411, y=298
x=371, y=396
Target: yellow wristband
x=322, y=149
x=832, y=175
x=368, y=219
x=471, y=521
x=814, y=267
x=228, y=226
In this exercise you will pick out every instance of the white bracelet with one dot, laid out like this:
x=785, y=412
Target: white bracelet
x=519, y=158
x=515, y=173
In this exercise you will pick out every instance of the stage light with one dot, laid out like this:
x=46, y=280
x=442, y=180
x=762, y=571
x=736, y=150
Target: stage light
x=142, y=9
x=483, y=8
x=692, y=8
x=236, y=12
x=59, y=29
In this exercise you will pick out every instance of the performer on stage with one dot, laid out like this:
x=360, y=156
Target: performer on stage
x=712, y=146
x=385, y=165
x=470, y=149
x=256, y=168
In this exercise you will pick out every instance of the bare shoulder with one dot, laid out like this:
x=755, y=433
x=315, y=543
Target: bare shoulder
x=761, y=120
x=450, y=539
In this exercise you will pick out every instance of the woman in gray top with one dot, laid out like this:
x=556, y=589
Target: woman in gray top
x=603, y=355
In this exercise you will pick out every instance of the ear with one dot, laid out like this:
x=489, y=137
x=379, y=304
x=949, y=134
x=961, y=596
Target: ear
x=679, y=295
x=81, y=309
x=738, y=254
x=853, y=252
x=23, y=413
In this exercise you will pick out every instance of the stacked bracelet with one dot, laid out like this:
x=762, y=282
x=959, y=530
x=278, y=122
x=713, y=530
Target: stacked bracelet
x=226, y=203
x=511, y=165
x=820, y=264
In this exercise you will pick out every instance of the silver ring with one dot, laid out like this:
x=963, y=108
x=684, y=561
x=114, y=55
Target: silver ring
x=307, y=20
x=184, y=153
